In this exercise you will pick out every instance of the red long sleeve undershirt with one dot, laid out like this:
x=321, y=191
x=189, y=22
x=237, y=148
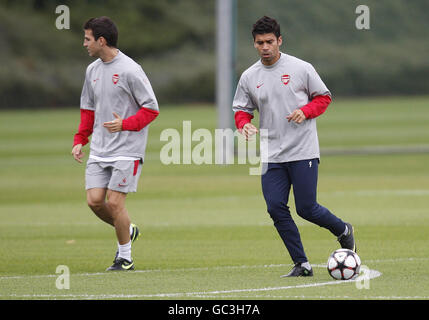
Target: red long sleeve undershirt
x=133, y=123
x=311, y=110
x=140, y=120
x=316, y=107
x=85, y=127
x=241, y=118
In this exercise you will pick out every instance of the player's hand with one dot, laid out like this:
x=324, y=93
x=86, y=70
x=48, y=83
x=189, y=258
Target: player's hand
x=77, y=153
x=248, y=130
x=296, y=116
x=114, y=125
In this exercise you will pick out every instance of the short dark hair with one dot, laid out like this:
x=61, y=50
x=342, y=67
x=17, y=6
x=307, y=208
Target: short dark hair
x=103, y=27
x=266, y=25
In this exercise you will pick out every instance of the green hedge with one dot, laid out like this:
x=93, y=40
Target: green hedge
x=174, y=40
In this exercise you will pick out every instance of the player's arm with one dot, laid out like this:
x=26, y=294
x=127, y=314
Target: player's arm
x=86, y=125
x=143, y=94
x=318, y=94
x=311, y=110
x=84, y=131
x=244, y=124
x=243, y=110
x=133, y=123
x=316, y=107
x=140, y=120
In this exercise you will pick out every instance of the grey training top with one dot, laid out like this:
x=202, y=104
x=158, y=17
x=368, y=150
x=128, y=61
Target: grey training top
x=276, y=91
x=120, y=86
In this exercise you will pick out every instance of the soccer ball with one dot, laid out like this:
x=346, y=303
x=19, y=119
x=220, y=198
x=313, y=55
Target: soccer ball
x=344, y=264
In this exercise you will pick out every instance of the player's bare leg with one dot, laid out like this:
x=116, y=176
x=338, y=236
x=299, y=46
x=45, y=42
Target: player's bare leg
x=114, y=213
x=96, y=199
x=121, y=222
x=120, y=217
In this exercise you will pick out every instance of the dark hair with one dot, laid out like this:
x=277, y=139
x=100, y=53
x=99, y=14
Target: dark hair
x=266, y=25
x=103, y=27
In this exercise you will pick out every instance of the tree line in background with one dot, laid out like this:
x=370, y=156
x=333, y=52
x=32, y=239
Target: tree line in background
x=174, y=41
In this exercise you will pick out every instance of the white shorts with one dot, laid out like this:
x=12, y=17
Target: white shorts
x=121, y=175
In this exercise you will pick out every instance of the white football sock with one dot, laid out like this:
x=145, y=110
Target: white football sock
x=306, y=265
x=125, y=251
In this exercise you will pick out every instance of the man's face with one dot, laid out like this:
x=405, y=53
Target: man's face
x=268, y=46
x=93, y=46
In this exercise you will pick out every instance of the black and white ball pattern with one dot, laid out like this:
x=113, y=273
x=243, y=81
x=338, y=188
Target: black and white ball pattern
x=344, y=264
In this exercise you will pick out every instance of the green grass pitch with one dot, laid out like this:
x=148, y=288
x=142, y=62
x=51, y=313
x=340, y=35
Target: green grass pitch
x=205, y=230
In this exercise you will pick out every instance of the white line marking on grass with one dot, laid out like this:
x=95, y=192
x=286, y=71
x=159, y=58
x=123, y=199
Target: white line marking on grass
x=198, y=269
x=379, y=192
x=118, y=296
x=157, y=270
x=201, y=294
x=396, y=260
x=372, y=275
x=201, y=269
x=376, y=149
x=216, y=293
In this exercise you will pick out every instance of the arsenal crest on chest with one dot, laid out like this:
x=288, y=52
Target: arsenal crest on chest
x=115, y=78
x=285, y=79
